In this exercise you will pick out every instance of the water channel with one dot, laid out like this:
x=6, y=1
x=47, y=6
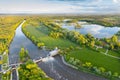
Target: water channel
x=53, y=67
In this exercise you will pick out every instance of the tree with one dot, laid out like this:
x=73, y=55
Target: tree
x=30, y=71
x=114, y=39
x=111, y=46
x=23, y=55
x=78, y=25
x=92, y=43
x=40, y=44
x=81, y=39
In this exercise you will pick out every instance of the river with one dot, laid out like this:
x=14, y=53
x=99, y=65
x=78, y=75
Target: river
x=53, y=67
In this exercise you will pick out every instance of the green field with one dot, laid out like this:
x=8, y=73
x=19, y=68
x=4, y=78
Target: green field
x=41, y=34
x=97, y=59
x=85, y=54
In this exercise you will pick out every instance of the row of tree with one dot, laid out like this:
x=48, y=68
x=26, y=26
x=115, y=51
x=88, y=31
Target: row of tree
x=8, y=24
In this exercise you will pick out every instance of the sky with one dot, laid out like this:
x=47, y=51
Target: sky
x=60, y=6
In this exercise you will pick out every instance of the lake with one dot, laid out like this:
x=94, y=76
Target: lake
x=96, y=30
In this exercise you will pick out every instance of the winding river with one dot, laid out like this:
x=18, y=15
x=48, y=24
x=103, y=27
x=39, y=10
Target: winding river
x=53, y=67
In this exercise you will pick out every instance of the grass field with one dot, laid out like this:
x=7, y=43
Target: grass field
x=42, y=34
x=85, y=54
x=97, y=59
x=110, y=52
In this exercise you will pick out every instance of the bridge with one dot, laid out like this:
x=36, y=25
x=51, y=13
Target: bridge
x=14, y=67
x=51, y=54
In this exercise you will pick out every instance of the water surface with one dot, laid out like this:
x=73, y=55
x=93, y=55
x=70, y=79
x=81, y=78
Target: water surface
x=96, y=30
x=53, y=67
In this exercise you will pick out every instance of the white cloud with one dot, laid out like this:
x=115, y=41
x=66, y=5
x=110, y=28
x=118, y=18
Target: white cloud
x=60, y=6
x=116, y=1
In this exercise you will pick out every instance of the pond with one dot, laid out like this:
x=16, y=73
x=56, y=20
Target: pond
x=96, y=30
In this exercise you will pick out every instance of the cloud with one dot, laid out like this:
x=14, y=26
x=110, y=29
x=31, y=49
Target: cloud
x=116, y=1
x=61, y=6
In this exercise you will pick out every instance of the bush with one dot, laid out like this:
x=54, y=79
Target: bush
x=115, y=74
x=109, y=73
x=87, y=64
x=102, y=69
x=40, y=45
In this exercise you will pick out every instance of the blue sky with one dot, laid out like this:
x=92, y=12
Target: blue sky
x=60, y=6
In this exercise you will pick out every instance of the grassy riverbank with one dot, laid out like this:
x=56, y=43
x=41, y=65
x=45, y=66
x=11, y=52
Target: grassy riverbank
x=41, y=34
x=83, y=54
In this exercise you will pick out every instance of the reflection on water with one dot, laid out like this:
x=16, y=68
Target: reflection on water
x=20, y=40
x=97, y=31
x=53, y=67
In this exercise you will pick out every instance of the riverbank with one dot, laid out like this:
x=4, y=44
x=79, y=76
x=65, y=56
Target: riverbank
x=33, y=31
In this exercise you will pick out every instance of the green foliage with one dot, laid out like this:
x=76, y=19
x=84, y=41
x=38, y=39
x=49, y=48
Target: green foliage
x=23, y=55
x=55, y=34
x=102, y=69
x=41, y=33
x=30, y=71
x=87, y=64
x=114, y=39
x=40, y=45
x=6, y=76
x=96, y=59
x=8, y=25
x=48, y=33
x=115, y=74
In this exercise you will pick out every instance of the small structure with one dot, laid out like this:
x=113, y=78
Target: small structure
x=54, y=52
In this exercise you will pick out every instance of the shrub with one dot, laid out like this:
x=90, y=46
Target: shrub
x=71, y=60
x=87, y=64
x=40, y=45
x=115, y=74
x=102, y=69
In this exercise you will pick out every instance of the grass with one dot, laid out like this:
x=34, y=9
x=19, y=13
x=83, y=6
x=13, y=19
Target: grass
x=5, y=62
x=42, y=34
x=114, y=53
x=97, y=59
x=102, y=50
x=5, y=58
x=110, y=52
x=85, y=54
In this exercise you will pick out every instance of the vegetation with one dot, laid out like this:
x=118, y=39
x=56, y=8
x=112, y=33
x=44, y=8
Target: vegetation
x=8, y=25
x=73, y=44
x=43, y=37
x=78, y=49
x=6, y=76
x=23, y=55
x=29, y=70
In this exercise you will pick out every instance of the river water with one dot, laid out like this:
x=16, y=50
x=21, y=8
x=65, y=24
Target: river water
x=53, y=66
